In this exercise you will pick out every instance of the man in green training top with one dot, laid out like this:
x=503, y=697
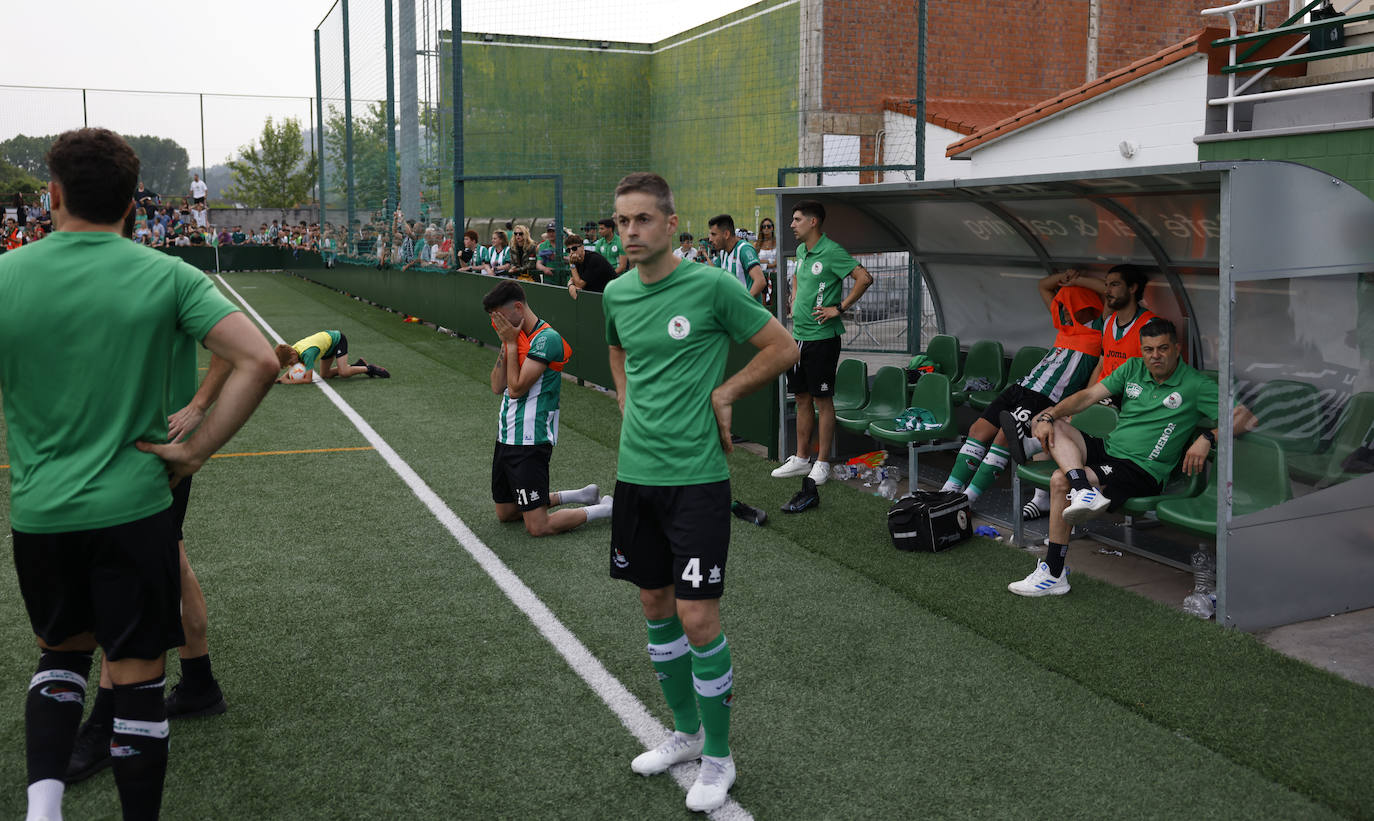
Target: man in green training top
x=609, y=246
x=669, y=324
x=529, y=377
x=95, y=541
x=817, y=305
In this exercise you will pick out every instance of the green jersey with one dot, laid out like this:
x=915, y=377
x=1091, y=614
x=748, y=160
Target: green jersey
x=820, y=275
x=676, y=333
x=1158, y=418
x=1063, y=371
x=532, y=419
x=610, y=249
x=73, y=419
x=738, y=261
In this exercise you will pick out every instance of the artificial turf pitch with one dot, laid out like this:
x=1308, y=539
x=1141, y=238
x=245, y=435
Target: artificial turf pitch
x=373, y=670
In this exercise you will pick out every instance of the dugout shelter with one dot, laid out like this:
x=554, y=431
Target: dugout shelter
x=1267, y=269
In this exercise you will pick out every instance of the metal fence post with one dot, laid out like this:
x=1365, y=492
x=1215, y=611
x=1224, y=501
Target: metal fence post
x=204, y=171
x=920, y=164
x=319, y=139
x=348, y=121
x=456, y=37
x=390, y=112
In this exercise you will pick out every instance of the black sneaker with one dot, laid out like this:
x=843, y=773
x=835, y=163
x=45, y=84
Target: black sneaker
x=378, y=371
x=183, y=702
x=804, y=499
x=749, y=513
x=91, y=753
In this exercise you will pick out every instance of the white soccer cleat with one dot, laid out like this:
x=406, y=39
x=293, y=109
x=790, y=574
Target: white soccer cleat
x=1084, y=505
x=678, y=748
x=794, y=466
x=713, y=784
x=1041, y=583
x=820, y=472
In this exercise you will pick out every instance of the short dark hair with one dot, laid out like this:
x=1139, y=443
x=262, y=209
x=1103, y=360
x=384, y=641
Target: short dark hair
x=608, y=223
x=1135, y=277
x=724, y=221
x=98, y=172
x=1159, y=326
x=505, y=292
x=810, y=208
x=572, y=241
x=472, y=235
x=684, y=237
x=645, y=182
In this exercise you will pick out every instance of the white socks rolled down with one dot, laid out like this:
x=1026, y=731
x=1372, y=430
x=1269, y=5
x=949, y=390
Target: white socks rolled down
x=600, y=510
x=585, y=496
x=45, y=800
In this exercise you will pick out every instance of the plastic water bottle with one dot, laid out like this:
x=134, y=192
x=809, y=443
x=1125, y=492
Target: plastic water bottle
x=1202, y=601
x=843, y=471
x=871, y=476
x=888, y=488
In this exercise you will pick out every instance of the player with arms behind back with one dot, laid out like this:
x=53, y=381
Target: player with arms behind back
x=669, y=324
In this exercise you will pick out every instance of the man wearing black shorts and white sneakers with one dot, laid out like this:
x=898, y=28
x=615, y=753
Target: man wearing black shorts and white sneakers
x=1168, y=414
x=94, y=538
x=669, y=323
x=817, y=306
x=528, y=375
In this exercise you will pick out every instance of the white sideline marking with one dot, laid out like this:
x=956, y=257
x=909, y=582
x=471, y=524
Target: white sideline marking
x=630, y=710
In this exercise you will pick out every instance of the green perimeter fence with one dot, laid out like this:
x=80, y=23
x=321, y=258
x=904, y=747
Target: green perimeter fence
x=454, y=301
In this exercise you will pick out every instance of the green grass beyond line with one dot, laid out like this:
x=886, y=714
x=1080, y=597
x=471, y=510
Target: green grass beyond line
x=373, y=670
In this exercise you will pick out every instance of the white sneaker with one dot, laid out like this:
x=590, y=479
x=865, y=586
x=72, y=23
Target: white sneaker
x=1084, y=505
x=712, y=785
x=820, y=472
x=794, y=466
x=678, y=748
x=1041, y=583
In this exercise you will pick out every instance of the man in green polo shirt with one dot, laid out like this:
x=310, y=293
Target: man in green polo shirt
x=669, y=324
x=1164, y=402
x=817, y=305
x=608, y=245
x=95, y=541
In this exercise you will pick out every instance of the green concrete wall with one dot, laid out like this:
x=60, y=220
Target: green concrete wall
x=1346, y=155
x=713, y=109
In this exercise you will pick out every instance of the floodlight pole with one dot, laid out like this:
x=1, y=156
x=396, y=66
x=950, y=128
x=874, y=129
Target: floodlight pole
x=348, y=119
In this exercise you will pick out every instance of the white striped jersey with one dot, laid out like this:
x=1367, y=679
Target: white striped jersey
x=1062, y=372
x=532, y=419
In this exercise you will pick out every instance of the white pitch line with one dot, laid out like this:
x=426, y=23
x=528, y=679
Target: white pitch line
x=629, y=709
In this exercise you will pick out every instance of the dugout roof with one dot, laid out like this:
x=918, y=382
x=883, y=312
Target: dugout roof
x=1292, y=248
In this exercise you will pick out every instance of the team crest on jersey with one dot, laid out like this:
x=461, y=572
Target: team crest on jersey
x=1133, y=390
x=679, y=327
x=817, y=267
x=1173, y=400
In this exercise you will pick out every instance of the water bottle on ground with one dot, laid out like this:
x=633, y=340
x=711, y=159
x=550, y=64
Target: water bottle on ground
x=888, y=488
x=843, y=471
x=1202, y=601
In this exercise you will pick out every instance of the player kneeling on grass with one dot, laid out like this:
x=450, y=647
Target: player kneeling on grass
x=1163, y=400
x=327, y=348
x=528, y=375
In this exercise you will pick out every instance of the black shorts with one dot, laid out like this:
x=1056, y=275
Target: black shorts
x=1122, y=479
x=520, y=475
x=676, y=535
x=122, y=583
x=814, y=372
x=1023, y=403
x=198, y=199
x=338, y=350
x=181, y=498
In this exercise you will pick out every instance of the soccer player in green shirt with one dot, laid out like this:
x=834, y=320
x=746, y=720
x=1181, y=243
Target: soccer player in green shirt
x=817, y=305
x=95, y=544
x=609, y=246
x=1164, y=401
x=735, y=255
x=669, y=323
x=528, y=375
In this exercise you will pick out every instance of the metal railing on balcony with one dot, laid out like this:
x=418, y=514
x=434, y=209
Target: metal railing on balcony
x=1240, y=62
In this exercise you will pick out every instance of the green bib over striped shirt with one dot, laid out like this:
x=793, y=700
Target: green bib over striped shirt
x=532, y=419
x=1062, y=372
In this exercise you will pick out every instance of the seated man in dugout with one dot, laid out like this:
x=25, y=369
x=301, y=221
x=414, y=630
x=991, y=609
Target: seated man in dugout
x=1164, y=401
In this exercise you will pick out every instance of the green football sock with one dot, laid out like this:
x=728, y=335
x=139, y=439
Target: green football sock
x=970, y=456
x=668, y=648
x=714, y=676
x=993, y=465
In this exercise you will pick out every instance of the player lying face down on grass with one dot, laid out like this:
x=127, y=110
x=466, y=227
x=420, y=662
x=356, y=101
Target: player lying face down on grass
x=528, y=376
x=669, y=325
x=330, y=350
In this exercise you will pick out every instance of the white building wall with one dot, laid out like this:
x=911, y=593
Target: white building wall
x=1158, y=116
x=899, y=148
